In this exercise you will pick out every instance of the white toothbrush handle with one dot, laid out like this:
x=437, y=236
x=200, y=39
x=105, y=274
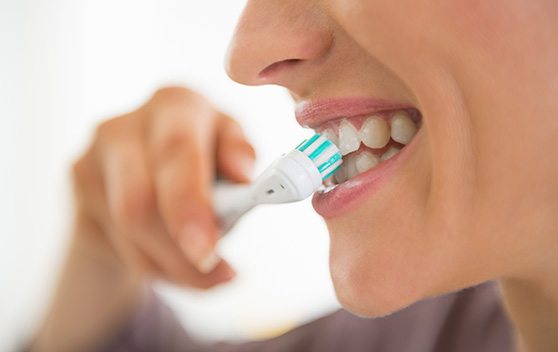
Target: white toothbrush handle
x=230, y=202
x=292, y=177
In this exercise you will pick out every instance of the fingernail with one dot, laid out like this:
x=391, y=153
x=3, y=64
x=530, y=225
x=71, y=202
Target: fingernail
x=245, y=165
x=207, y=264
x=229, y=274
x=194, y=243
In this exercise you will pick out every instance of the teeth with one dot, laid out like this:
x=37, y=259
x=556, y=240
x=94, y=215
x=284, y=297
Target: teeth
x=329, y=134
x=389, y=153
x=348, y=138
x=329, y=182
x=375, y=133
x=365, y=161
x=340, y=176
x=354, y=165
x=350, y=167
x=403, y=129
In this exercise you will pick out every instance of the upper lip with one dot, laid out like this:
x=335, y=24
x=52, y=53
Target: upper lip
x=313, y=113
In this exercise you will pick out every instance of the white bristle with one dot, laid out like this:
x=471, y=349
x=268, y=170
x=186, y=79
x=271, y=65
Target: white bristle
x=318, y=156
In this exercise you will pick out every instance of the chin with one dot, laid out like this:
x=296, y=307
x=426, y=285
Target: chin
x=364, y=295
x=374, y=278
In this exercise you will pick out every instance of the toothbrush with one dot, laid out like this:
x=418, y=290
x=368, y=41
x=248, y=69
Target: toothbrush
x=292, y=177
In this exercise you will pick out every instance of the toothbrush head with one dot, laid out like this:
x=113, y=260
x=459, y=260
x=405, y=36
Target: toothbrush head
x=323, y=153
x=299, y=173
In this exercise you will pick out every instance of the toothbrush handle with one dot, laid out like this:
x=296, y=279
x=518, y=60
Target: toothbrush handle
x=230, y=202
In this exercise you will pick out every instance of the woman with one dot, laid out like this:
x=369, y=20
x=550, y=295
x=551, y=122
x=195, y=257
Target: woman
x=471, y=197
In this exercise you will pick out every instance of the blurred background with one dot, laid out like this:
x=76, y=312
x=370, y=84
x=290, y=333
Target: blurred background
x=65, y=65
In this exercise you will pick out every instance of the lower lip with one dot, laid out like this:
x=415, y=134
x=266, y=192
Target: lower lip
x=350, y=194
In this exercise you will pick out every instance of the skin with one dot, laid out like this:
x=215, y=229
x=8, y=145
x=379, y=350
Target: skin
x=477, y=200
x=473, y=203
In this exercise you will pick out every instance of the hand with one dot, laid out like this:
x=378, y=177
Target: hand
x=146, y=183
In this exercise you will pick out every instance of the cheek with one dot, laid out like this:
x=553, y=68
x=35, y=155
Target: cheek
x=386, y=29
x=448, y=222
x=404, y=244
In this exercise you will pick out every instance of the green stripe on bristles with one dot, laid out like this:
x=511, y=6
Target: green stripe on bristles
x=301, y=143
x=309, y=142
x=324, y=167
x=319, y=150
x=330, y=162
x=331, y=173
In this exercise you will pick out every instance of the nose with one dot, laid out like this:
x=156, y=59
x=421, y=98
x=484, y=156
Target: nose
x=275, y=39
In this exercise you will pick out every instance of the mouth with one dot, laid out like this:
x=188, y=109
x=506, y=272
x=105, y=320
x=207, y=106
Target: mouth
x=373, y=136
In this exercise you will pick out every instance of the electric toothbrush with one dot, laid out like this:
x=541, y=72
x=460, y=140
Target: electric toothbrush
x=292, y=177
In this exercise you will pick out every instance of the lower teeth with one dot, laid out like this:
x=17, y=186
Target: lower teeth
x=356, y=164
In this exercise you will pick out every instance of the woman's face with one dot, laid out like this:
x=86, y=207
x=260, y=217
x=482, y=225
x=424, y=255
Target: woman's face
x=474, y=195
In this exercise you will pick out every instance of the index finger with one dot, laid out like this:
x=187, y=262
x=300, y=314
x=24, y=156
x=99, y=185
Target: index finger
x=182, y=149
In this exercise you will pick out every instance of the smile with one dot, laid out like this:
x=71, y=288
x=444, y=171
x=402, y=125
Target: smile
x=371, y=135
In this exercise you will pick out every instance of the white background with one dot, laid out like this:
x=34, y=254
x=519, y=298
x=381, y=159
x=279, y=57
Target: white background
x=67, y=64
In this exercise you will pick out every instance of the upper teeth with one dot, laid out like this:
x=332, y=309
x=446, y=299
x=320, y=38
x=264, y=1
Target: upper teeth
x=349, y=140
x=375, y=133
x=329, y=134
x=403, y=129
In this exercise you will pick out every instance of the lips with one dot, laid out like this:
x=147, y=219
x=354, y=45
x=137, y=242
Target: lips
x=347, y=194
x=311, y=114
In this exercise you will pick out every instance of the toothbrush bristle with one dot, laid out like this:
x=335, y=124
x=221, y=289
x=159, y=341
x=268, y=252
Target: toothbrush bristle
x=324, y=154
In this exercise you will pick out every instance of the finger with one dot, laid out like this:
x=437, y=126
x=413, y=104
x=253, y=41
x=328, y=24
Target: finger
x=235, y=155
x=126, y=202
x=181, y=142
x=132, y=207
x=174, y=266
x=91, y=199
x=190, y=276
x=221, y=273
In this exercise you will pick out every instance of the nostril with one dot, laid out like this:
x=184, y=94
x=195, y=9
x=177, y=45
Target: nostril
x=277, y=66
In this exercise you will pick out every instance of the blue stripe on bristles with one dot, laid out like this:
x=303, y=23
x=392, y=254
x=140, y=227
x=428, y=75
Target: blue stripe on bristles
x=301, y=143
x=309, y=142
x=319, y=150
x=323, y=167
x=331, y=173
x=334, y=162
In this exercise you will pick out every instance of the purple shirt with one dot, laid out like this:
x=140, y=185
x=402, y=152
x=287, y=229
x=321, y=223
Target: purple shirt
x=472, y=320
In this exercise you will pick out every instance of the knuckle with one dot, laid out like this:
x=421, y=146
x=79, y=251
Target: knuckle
x=108, y=129
x=105, y=127
x=82, y=173
x=173, y=95
x=79, y=169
